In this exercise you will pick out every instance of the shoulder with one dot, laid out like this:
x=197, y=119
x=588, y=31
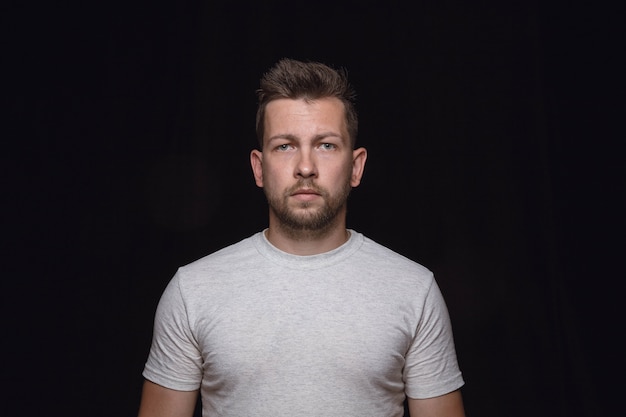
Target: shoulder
x=378, y=260
x=386, y=256
x=226, y=259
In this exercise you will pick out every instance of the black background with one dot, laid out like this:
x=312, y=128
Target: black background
x=494, y=132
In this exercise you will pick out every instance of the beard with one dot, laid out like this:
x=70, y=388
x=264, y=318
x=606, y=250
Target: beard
x=308, y=219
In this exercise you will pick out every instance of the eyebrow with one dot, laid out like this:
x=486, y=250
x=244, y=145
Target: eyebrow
x=316, y=138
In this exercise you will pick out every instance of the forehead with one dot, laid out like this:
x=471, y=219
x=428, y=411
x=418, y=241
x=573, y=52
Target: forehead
x=291, y=116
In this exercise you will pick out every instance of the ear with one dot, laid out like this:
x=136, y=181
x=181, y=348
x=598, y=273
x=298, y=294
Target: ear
x=256, y=161
x=359, y=156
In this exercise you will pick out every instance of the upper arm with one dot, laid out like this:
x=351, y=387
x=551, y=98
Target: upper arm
x=448, y=405
x=158, y=401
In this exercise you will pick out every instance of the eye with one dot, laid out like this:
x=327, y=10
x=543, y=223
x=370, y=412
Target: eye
x=283, y=147
x=327, y=146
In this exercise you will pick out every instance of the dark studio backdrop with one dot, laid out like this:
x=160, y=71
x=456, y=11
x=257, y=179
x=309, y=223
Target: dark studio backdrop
x=494, y=132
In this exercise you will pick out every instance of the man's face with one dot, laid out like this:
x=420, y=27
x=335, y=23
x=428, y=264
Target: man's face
x=307, y=167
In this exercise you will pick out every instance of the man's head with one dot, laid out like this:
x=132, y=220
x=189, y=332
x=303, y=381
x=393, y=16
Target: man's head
x=293, y=79
x=307, y=163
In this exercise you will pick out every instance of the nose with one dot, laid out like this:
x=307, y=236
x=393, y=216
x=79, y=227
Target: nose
x=306, y=167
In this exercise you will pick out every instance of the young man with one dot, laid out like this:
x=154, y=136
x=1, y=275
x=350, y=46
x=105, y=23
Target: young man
x=305, y=318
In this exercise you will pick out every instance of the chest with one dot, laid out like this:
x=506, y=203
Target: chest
x=318, y=328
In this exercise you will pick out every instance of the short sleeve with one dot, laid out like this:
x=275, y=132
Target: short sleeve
x=431, y=367
x=174, y=360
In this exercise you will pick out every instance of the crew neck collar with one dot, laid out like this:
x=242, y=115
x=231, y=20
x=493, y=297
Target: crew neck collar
x=319, y=260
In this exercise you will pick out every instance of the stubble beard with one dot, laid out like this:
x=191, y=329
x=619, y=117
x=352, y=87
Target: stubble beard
x=308, y=220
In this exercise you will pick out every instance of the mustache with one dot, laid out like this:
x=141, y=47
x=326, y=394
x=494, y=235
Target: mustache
x=309, y=184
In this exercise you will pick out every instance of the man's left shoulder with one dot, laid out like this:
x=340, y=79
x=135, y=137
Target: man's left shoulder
x=385, y=256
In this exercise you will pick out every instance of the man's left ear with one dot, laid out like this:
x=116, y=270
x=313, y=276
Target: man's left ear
x=359, y=156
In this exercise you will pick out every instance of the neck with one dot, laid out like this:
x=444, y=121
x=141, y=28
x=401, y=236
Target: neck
x=307, y=242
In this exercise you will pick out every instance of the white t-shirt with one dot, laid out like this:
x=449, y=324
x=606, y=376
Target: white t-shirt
x=265, y=333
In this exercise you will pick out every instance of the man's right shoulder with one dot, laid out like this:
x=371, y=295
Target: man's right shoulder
x=228, y=257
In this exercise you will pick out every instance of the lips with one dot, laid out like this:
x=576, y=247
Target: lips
x=305, y=194
x=305, y=191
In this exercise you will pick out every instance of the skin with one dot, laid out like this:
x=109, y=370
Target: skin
x=158, y=401
x=306, y=168
x=448, y=405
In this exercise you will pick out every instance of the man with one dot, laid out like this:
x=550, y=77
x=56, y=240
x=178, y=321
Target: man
x=305, y=318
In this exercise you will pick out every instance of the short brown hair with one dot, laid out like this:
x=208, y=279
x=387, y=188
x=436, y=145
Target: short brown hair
x=293, y=79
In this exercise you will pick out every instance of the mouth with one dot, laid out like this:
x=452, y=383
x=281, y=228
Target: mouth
x=305, y=194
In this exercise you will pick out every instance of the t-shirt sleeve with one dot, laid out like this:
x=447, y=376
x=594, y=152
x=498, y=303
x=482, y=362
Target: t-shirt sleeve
x=431, y=367
x=174, y=360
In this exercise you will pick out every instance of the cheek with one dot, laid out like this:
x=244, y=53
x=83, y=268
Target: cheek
x=337, y=178
x=347, y=169
x=273, y=175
